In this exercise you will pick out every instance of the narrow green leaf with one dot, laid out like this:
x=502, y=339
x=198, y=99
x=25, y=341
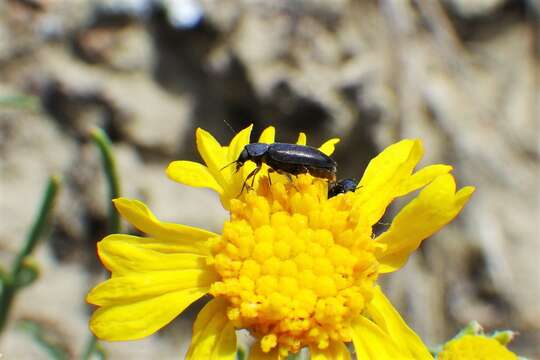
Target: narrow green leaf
x=104, y=145
x=28, y=273
x=9, y=281
x=35, y=330
x=20, y=101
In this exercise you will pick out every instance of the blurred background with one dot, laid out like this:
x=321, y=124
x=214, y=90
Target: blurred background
x=462, y=75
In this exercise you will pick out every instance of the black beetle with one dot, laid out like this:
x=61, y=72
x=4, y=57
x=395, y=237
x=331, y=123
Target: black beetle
x=341, y=187
x=288, y=159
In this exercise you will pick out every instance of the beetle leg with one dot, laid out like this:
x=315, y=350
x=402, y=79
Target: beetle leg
x=270, y=170
x=251, y=175
x=254, y=172
x=290, y=177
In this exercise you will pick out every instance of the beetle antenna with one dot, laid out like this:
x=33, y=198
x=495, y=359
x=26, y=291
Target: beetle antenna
x=229, y=164
x=230, y=127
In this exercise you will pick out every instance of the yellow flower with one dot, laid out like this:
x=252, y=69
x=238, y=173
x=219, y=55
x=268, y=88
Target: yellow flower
x=294, y=268
x=472, y=343
x=475, y=347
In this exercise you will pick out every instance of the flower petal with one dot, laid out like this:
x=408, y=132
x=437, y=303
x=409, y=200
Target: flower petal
x=335, y=351
x=160, y=245
x=329, y=146
x=238, y=143
x=215, y=157
x=371, y=343
x=137, y=287
x=213, y=334
x=422, y=177
x=268, y=136
x=236, y=146
x=302, y=139
x=384, y=175
x=388, y=318
x=142, y=218
x=435, y=206
x=142, y=318
x=193, y=174
x=121, y=257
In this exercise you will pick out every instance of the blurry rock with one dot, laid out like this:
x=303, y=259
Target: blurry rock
x=143, y=112
x=124, y=47
x=471, y=8
x=154, y=118
x=32, y=150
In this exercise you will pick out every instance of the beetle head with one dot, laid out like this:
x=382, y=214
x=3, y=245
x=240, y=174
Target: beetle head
x=242, y=158
x=253, y=152
x=342, y=186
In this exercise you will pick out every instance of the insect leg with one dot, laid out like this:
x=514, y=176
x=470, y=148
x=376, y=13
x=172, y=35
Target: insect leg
x=251, y=175
x=270, y=170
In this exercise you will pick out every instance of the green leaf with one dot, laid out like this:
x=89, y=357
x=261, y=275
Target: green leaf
x=103, y=143
x=503, y=337
x=27, y=274
x=20, y=101
x=35, y=330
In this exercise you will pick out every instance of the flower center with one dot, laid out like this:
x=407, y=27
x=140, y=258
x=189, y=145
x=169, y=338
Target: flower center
x=475, y=347
x=297, y=268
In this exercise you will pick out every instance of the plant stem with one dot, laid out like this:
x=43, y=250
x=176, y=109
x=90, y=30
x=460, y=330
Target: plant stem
x=9, y=282
x=103, y=143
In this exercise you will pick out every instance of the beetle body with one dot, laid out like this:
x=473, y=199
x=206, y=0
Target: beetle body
x=341, y=187
x=289, y=159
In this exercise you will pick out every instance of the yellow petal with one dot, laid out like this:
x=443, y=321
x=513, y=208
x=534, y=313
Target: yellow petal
x=436, y=205
x=256, y=353
x=236, y=146
x=213, y=334
x=302, y=139
x=268, y=136
x=125, y=258
x=384, y=175
x=335, y=351
x=371, y=343
x=386, y=316
x=161, y=245
x=192, y=174
x=142, y=318
x=422, y=177
x=142, y=218
x=137, y=287
x=329, y=146
x=215, y=157
x=238, y=143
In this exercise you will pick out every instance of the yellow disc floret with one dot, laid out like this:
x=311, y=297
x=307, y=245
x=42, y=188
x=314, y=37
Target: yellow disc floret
x=475, y=347
x=297, y=268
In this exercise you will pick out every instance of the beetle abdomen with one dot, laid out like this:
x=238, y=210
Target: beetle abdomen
x=293, y=154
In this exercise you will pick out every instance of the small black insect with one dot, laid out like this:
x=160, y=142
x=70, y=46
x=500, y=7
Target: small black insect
x=288, y=159
x=341, y=187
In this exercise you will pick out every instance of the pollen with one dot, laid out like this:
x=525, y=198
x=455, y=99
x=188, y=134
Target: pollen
x=475, y=347
x=296, y=268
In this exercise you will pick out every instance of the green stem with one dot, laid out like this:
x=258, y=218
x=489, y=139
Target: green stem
x=9, y=282
x=103, y=143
